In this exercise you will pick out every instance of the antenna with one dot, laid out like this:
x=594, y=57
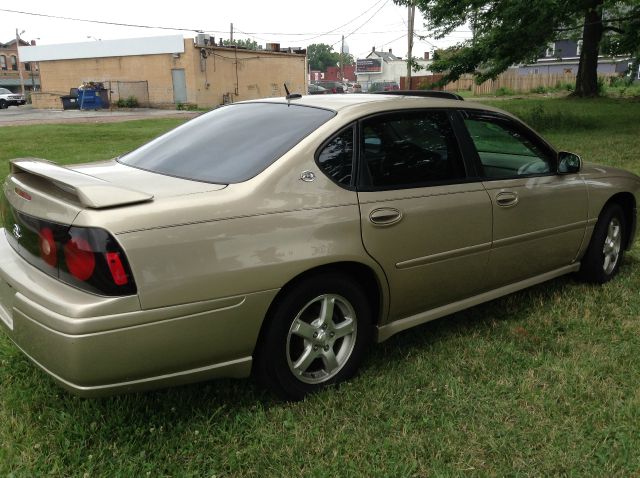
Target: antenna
x=291, y=96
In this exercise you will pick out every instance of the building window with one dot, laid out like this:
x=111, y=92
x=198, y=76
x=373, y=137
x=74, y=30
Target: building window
x=579, y=48
x=536, y=71
x=551, y=49
x=14, y=63
x=3, y=62
x=27, y=66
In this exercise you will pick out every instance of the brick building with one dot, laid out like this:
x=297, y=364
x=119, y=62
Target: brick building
x=10, y=67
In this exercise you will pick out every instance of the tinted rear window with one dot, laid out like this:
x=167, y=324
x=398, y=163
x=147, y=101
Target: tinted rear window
x=230, y=144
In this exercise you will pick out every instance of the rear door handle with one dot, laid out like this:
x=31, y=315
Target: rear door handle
x=385, y=216
x=507, y=199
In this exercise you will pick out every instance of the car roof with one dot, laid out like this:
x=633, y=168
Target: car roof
x=381, y=101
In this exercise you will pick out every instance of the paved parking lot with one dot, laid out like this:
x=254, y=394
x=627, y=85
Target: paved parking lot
x=24, y=115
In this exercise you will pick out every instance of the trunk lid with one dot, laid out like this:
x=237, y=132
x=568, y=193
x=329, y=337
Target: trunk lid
x=43, y=189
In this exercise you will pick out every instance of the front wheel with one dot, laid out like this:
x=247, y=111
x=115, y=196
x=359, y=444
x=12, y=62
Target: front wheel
x=3, y=104
x=604, y=255
x=316, y=335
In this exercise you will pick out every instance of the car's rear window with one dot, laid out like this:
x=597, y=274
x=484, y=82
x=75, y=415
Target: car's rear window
x=230, y=144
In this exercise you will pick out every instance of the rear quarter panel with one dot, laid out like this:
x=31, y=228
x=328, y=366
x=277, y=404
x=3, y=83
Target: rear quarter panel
x=249, y=237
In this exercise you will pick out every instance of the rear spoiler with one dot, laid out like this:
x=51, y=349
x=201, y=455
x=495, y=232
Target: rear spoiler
x=91, y=192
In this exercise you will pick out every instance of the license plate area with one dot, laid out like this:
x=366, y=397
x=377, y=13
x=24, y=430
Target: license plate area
x=7, y=294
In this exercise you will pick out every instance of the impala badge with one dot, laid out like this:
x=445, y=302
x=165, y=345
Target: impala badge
x=17, y=232
x=307, y=176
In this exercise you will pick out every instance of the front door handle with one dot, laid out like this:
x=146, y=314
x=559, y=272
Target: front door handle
x=385, y=216
x=507, y=199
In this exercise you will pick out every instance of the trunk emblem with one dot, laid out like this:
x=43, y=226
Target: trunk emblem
x=17, y=232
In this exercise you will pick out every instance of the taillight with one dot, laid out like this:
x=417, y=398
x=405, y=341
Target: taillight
x=117, y=269
x=88, y=258
x=79, y=258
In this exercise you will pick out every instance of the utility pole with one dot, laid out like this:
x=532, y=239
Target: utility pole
x=341, y=70
x=412, y=14
x=18, y=61
x=231, y=33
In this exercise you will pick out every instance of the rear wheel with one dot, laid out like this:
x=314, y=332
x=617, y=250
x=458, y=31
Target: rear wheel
x=316, y=336
x=604, y=255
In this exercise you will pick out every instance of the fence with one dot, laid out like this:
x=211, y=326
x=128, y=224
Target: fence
x=509, y=81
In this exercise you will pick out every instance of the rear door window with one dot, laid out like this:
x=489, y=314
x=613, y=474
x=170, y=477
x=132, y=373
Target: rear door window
x=407, y=150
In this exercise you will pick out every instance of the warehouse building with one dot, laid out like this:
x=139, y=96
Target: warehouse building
x=166, y=71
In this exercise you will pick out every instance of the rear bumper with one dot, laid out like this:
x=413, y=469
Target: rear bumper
x=100, y=345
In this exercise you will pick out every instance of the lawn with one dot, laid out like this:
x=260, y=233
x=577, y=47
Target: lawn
x=542, y=382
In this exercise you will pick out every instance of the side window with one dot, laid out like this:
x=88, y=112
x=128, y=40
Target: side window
x=336, y=157
x=505, y=150
x=405, y=150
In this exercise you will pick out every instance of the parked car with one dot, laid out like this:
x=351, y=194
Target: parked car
x=331, y=86
x=383, y=86
x=316, y=89
x=337, y=222
x=354, y=88
x=9, y=98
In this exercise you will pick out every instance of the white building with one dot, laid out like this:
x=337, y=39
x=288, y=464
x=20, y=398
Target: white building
x=380, y=66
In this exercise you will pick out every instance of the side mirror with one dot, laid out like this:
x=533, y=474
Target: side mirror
x=568, y=163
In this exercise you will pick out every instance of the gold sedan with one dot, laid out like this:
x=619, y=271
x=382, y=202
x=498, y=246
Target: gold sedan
x=283, y=236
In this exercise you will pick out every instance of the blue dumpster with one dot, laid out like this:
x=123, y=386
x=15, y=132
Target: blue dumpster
x=89, y=99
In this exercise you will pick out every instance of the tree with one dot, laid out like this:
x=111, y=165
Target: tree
x=322, y=56
x=249, y=44
x=508, y=32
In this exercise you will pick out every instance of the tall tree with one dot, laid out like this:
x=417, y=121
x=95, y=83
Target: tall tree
x=322, y=56
x=508, y=32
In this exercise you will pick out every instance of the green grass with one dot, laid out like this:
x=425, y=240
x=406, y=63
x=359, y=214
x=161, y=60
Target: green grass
x=544, y=382
x=77, y=143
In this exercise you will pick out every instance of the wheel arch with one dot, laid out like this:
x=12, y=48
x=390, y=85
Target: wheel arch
x=627, y=202
x=363, y=274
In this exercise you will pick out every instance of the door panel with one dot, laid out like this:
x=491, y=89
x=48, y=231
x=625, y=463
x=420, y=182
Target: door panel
x=541, y=232
x=437, y=251
x=428, y=227
x=539, y=217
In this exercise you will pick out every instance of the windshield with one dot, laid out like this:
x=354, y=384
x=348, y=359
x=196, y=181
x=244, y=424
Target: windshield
x=4, y=91
x=230, y=144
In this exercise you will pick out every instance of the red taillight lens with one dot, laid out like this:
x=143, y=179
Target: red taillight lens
x=117, y=269
x=79, y=258
x=48, y=248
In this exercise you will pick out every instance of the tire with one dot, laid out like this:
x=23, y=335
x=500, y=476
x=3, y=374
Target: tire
x=604, y=255
x=315, y=336
x=3, y=104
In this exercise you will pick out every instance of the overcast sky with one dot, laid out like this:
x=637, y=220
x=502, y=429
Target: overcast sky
x=364, y=23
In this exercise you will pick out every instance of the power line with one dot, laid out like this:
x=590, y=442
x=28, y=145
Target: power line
x=317, y=34
x=58, y=17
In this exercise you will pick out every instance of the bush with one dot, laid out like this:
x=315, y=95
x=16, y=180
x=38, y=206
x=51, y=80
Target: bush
x=504, y=91
x=130, y=102
x=187, y=107
x=539, y=89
